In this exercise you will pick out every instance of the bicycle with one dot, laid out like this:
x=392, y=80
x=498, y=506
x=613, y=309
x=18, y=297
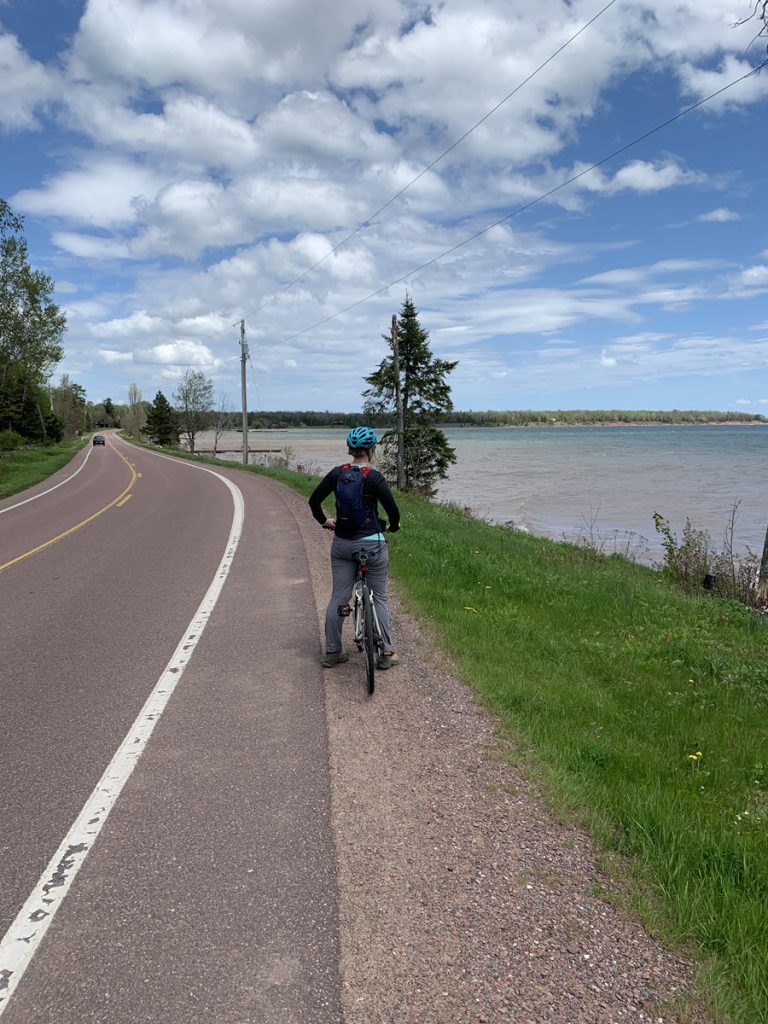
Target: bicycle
x=365, y=621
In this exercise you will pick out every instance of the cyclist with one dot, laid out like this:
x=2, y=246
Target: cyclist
x=352, y=532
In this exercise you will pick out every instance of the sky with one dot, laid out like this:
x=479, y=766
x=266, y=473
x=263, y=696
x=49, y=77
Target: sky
x=182, y=165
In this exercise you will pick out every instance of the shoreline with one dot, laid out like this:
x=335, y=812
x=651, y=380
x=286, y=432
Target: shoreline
x=527, y=426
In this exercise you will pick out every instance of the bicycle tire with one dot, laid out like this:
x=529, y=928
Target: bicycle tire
x=369, y=641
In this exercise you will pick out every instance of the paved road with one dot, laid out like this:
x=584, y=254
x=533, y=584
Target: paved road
x=209, y=893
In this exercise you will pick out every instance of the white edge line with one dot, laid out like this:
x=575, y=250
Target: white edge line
x=23, y=938
x=10, y=508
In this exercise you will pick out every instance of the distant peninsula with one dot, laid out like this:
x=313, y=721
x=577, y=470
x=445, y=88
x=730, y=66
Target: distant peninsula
x=512, y=418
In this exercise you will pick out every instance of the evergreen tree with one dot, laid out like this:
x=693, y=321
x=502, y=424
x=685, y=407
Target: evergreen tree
x=110, y=413
x=426, y=396
x=162, y=426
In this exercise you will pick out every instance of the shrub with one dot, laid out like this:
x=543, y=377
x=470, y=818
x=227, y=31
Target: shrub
x=10, y=441
x=694, y=563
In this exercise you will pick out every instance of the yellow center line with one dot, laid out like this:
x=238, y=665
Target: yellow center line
x=120, y=499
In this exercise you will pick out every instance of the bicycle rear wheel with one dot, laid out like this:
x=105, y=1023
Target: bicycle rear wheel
x=369, y=641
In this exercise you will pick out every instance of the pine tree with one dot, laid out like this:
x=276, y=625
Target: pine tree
x=426, y=395
x=162, y=426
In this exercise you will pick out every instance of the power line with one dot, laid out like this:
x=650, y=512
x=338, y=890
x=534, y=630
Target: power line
x=527, y=206
x=467, y=133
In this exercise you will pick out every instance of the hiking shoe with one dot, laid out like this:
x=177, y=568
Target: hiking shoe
x=331, y=658
x=385, y=661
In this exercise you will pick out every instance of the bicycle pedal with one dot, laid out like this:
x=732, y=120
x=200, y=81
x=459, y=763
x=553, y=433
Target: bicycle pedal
x=344, y=610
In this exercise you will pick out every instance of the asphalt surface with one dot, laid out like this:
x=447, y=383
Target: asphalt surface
x=210, y=893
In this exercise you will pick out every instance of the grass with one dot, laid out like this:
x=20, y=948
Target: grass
x=28, y=466
x=645, y=711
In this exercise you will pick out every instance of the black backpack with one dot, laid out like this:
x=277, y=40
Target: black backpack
x=351, y=514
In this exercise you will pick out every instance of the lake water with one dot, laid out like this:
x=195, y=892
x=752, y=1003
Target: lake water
x=606, y=482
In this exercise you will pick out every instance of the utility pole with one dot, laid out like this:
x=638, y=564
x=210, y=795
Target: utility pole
x=398, y=408
x=243, y=357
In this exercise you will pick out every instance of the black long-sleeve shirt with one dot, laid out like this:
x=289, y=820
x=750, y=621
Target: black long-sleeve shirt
x=375, y=490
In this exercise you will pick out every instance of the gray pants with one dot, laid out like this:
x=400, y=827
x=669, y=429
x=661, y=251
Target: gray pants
x=344, y=570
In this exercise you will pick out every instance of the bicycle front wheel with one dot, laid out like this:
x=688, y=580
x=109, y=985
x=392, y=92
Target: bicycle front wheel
x=369, y=641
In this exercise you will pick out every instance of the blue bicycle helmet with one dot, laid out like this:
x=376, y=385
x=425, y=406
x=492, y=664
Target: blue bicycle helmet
x=361, y=437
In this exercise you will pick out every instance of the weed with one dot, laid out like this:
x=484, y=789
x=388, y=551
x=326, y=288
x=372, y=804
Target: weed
x=693, y=562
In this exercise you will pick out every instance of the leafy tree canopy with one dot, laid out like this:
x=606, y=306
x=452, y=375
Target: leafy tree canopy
x=194, y=398
x=31, y=324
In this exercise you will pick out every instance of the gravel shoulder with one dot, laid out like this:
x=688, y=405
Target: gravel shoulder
x=462, y=899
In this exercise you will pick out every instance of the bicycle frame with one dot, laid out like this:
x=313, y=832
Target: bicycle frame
x=357, y=605
x=365, y=621
x=357, y=617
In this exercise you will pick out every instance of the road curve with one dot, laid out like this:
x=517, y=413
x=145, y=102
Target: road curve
x=210, y=893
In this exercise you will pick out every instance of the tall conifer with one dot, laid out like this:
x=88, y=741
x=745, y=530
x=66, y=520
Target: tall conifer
x=426, y=396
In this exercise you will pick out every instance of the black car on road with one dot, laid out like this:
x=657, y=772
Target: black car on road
x=99, y=439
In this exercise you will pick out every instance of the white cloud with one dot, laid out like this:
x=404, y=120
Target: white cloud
x=641, y=176
x=128, y=327
x=755, y=277
x=86, y=310
x=189, y=127
x=90, y=247
x=209, y=323
x=113, y=357
x=719, y=216
x=319, y=125
x=177, y=354
x=449, y=70
x=239, y=51
x=25, y=84
x=703, y=81
x=107, y=192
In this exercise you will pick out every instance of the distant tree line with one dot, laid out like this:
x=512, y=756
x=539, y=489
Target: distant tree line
x=503, y=418
x=592, y=417
x=295, y=420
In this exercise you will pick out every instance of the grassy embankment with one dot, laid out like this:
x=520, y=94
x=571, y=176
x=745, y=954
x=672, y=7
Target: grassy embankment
x=28, y=466
x=642, y=712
